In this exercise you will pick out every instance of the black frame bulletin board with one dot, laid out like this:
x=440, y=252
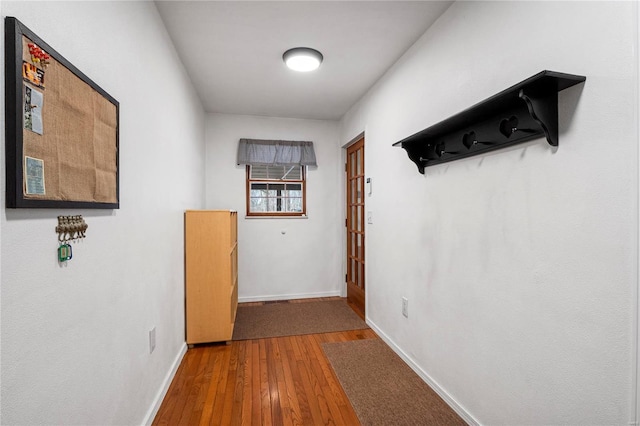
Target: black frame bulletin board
x=62, y=129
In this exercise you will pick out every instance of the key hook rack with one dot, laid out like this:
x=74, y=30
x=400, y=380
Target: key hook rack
x=525, y=111
x=71, y=228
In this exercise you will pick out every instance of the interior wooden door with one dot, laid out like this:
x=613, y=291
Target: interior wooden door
x=355, y=225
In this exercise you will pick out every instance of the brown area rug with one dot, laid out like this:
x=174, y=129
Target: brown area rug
x=290, y=319
x=383, y=389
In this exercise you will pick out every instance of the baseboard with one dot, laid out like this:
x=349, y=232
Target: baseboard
x=289, y=296
x=157, y=401
x=466, y=416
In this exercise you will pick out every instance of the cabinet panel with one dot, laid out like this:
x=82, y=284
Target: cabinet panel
x=234, y=228
x=234, y=264
x=234, y=303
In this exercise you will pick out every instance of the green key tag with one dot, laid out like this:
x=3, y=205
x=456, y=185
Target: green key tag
x=64, y=252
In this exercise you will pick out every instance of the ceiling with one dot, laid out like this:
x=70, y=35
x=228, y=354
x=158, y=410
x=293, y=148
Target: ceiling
x=233, y=50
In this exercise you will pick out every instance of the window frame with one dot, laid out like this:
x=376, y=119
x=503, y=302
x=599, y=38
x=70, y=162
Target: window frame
x=276, y=214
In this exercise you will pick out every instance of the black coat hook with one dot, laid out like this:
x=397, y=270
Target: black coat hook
x=470, y=139
x=509, y=126
x=441, y=149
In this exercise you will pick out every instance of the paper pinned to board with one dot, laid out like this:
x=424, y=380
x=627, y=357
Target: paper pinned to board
x=34, y=176
x=32, y=74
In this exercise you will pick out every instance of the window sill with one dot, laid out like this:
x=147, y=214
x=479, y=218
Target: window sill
x=276, y=217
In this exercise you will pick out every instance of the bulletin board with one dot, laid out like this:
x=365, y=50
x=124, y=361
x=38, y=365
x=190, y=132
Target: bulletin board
x=62, y=129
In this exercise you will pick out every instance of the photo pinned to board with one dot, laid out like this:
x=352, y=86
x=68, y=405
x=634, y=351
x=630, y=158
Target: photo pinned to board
x=33, y=103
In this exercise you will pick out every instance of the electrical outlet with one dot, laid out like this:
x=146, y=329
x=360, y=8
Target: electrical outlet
x=152, y=340
x=405, y=307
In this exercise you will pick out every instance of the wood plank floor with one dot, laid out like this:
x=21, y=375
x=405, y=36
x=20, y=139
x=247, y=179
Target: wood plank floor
x=276, y=381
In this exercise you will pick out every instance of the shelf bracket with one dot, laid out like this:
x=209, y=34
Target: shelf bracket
x=543, y=107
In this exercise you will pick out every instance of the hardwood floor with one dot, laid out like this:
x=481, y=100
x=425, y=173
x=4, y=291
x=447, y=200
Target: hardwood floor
x=275, y=381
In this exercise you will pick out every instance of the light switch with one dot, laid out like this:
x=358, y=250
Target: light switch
x=369, y=216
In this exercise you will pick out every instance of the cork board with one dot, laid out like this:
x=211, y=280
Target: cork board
x=62, y=129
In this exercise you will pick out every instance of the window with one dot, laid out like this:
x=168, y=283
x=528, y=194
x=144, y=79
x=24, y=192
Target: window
x=276, y=182
x=276, y=190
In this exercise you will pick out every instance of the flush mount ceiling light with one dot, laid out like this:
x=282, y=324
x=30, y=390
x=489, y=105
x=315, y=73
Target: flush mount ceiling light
x=302, y=59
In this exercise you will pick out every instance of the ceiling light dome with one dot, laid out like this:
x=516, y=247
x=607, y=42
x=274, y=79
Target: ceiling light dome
x=302, y=59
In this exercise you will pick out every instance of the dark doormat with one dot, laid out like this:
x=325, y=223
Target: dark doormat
x=290, y=319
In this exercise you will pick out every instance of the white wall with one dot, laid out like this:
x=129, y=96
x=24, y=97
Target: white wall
x=75, y=337
x=520, y=266
x=280, y=258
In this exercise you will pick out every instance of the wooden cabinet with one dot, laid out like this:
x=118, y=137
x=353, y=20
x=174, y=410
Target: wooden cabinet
x=211, y=274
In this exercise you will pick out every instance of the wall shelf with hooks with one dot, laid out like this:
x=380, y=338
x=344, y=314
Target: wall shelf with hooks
x=525, y=111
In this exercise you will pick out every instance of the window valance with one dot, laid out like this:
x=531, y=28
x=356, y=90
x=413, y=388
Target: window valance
x=278, y=153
